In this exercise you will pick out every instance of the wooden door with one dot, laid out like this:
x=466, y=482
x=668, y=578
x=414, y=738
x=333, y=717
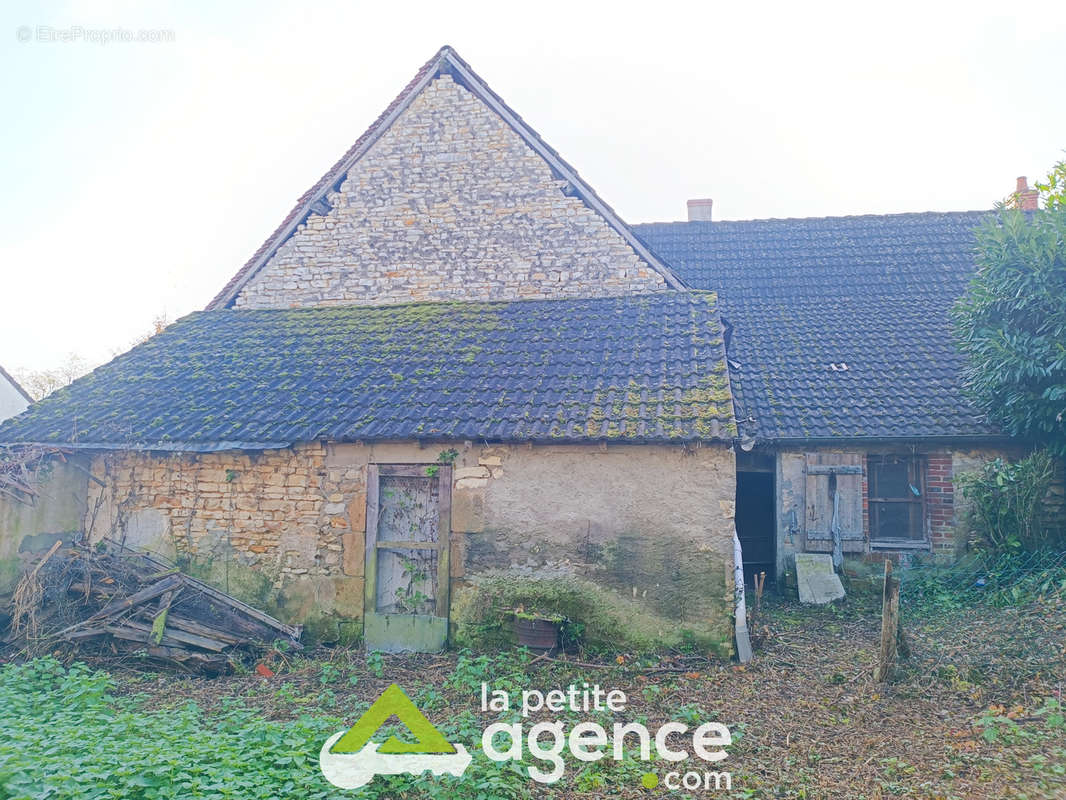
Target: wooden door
x=408, y=527
x=834, y=501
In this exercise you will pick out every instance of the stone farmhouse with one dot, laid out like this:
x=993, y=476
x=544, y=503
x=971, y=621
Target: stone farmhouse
x=454, y=360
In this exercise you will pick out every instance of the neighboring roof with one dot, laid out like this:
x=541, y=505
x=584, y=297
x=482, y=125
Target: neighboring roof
x=805, y=296
x=445, y=60
x=645, y=368
x=5, y=375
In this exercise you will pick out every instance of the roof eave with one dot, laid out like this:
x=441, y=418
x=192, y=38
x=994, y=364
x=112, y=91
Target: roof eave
x=982, y=438
x=214, y=447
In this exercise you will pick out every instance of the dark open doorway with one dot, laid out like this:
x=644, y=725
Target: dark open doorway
x=755, y=523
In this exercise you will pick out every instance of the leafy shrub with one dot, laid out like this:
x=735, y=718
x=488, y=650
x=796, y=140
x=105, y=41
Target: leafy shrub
x=1011, y=325
x=1008, y=509
x=603, y=620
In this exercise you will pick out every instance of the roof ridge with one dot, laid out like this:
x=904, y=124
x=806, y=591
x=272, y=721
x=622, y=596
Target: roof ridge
x=894, y=214
x=480, y=88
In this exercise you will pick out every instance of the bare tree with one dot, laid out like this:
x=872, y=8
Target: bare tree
x=40, y=383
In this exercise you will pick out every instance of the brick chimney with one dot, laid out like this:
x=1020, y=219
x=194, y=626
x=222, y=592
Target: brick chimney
x=700, y=210
x=1026, y=197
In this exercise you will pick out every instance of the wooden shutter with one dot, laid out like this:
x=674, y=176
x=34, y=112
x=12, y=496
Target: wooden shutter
x=834, y=481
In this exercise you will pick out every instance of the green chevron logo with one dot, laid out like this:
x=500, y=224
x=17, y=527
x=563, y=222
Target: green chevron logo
x=352, y=758
x=393, y=703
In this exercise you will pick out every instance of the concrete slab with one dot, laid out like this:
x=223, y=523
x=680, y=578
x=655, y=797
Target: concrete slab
x=818, y=583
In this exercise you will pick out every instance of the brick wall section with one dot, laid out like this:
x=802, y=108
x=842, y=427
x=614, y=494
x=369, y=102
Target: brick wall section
x=450, y=203
x=940, y=502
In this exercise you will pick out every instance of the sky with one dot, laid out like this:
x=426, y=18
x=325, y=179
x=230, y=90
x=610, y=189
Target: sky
x=137, y=176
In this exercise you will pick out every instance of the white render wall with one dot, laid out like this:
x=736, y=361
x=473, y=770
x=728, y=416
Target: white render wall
x=11, y=400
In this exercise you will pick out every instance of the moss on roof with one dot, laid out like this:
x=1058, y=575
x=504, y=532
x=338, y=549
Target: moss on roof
x=641, y=368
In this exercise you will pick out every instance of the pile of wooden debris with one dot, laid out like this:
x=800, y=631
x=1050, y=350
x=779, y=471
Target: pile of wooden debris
x=109, y=601
x=21, y=469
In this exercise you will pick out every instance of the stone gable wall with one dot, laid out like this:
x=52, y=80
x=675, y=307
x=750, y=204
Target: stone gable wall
x=449, y=204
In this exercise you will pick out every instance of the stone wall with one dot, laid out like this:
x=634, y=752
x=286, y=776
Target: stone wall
x=286, y=528
x=449, y=204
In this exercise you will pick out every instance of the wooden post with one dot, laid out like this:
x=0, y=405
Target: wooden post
x=889, y=625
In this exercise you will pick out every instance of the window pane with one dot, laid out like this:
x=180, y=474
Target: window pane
x=893, y=521
x=896, y=521
x=891, y=479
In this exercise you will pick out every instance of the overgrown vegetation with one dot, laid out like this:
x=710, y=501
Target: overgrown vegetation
x=66, y=734
x=1053, y=188
x=983, y=579
x=967, y=716
x=1011, y=325
x=1008, y=505
x=597, y=619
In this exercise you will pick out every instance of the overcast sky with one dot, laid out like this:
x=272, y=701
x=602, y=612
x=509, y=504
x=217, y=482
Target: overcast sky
x=136, y=178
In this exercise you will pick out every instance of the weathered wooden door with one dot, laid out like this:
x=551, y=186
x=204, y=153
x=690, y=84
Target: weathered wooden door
x=834, y=502
x=408, y=526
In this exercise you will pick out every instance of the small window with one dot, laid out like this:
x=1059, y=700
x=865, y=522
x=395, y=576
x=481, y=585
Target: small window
x=896, y=499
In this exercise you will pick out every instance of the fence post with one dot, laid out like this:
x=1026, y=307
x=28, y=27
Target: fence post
x=889, y=625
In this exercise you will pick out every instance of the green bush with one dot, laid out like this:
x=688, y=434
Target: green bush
x=599, y=619
x=1011, y=325
x=1008, y=505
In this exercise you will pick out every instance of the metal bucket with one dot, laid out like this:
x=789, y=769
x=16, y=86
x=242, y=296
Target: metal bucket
x=537, y=634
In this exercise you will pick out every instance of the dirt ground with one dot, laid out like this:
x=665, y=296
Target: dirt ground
x=967, y=716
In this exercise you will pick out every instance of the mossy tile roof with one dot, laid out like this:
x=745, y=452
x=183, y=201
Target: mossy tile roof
x=647, y=368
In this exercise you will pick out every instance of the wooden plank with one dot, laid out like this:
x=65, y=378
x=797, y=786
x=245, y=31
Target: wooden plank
x=51, y=552
x=159, y=623
x=406, y=544
x=182, y=637
x=192, y=626
x=163, y=573
x=444, y=536
x=84, y=634
x=834, y=495
x=370, y=583
x=819, y=513
x=292, y=631
x=849, y=508
x=180, y=654
x=406, y=633
x=404, y=470
x=143, y=596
